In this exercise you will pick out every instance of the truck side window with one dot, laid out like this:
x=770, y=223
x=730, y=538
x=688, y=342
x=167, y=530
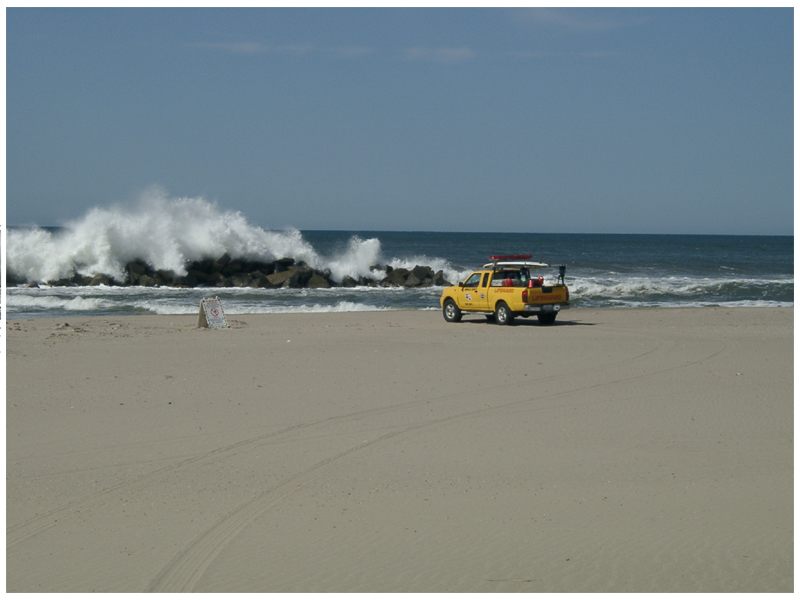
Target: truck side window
x=473, y=280
x=485, y=280
x=504, y=278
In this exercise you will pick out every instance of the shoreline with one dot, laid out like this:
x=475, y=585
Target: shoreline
x=644, y=450
x=289, y=311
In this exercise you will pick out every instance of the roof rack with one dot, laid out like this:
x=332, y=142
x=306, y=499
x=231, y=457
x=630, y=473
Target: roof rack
x=509, y=260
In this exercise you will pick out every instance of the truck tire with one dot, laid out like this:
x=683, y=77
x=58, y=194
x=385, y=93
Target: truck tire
x=547, y=318
x=503, y=314
x=451, y=312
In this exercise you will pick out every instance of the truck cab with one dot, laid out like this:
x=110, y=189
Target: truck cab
x=508, y=287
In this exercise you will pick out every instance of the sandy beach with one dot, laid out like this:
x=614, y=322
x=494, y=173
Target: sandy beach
x=618, y=450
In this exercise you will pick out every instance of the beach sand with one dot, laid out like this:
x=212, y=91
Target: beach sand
x=619, y=450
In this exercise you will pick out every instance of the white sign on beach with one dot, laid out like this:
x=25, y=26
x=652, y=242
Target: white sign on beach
x=211, y=314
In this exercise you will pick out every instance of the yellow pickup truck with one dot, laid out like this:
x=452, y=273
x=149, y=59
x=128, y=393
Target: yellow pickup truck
x=508, y=287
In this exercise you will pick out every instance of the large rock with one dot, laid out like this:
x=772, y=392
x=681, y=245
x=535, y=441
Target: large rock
x=422, y=273
x=136, y=269
x=279, y=278
x=222, y=262
x=102, y=279
x=439, y=279
x=300, y=276
x=420, y=276
x=412, y=281
x=14, y=279
x=193, y=278
x=256, y=279
x=240, y=280
x=283, y=264
x=207, y=265
x=397, y=277
x=197, y=278
x=239, y=272
x=233, y=267
x=165, y=277
x=76, y=279
x=318, y=280
x=252, y=266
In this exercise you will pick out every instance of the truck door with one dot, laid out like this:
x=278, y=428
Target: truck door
x=469, y=292
x=482, y=296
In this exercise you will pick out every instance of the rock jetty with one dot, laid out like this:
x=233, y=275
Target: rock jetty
x=226, y=271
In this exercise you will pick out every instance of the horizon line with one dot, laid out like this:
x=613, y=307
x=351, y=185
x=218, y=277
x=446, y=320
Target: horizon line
x=468, y=232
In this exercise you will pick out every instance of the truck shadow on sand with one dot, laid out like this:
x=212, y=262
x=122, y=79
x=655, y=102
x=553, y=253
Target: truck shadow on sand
x=518, y=322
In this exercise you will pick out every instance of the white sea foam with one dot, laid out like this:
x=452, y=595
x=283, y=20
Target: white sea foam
x=77, y=303
x=250, y=309
x=165, y=232
x=356, y=260
x=628, y=287
x=437, y=264
x=701, y=304
x=169, y=232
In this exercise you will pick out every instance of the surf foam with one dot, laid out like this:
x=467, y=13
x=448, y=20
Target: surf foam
x=167, y=233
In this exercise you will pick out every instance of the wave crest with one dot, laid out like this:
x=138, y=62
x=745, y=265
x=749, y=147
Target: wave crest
x=168, y=233
x=684, y=290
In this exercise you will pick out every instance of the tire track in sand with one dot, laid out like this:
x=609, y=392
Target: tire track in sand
x=183, y=572
x=20, y=532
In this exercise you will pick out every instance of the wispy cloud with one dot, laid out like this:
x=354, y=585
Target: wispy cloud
x=577, y=20
x=251, y=48
x=543, y=55
x=233, y=47
x=293, y=50
x=349, y=52
x=440, y=55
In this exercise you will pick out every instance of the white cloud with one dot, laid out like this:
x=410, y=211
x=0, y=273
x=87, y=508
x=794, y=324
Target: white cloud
x=235, y=47
x=576, y=20
x=539, y=55
x=350, y=51
x=296, y=50
x=293, y=49
x=440, y=55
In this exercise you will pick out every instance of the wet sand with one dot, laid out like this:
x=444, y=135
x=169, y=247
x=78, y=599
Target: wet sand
x=618, y=450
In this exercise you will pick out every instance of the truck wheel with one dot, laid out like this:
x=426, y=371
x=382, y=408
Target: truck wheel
x=547, y=318
x=503, y=314
x=452, y=314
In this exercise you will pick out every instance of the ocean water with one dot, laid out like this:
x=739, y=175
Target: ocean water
x=614, y=271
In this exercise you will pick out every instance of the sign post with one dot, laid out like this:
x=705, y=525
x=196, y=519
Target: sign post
x=211, y=314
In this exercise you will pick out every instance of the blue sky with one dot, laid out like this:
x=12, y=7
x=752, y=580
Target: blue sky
x=535, y=120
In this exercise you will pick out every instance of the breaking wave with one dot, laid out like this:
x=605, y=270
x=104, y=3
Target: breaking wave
x=683, y=291
x=253, y=309
x=168, y=233
x=50, y=303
